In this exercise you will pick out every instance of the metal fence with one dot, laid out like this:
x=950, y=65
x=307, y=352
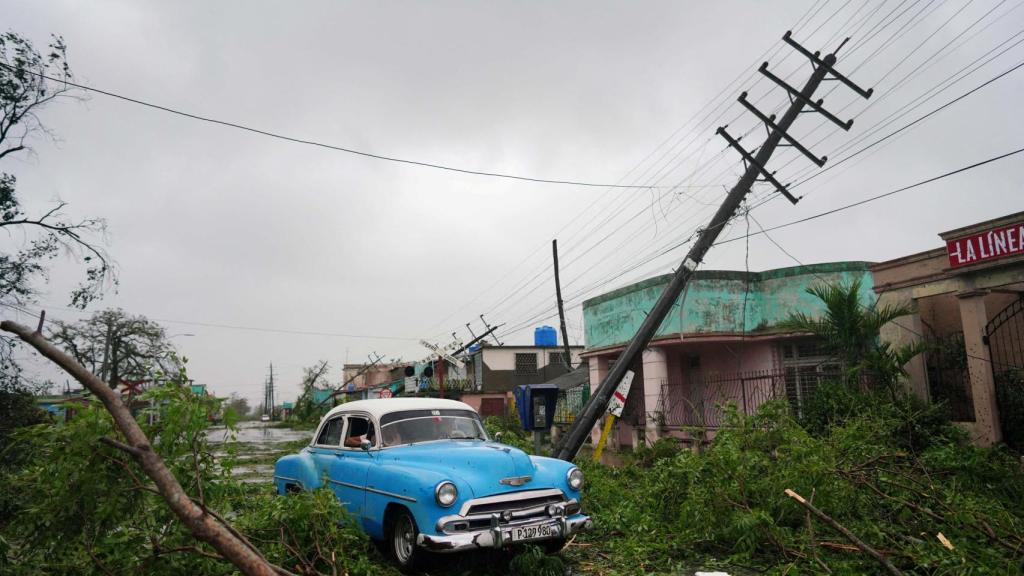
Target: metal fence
x=701, y=402
x=570, y=403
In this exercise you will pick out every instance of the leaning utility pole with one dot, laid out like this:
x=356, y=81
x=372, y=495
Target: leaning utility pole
x=475, y=339
x=341, y=389
x=561, y=310
x=755, y=169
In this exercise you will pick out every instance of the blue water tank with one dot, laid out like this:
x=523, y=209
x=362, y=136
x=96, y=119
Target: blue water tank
x=545, y=336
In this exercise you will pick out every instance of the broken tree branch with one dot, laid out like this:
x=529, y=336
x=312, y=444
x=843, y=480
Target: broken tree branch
x=202, y=525
x=845, y=532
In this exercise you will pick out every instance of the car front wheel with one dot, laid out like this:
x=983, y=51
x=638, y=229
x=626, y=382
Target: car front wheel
x=402, y=539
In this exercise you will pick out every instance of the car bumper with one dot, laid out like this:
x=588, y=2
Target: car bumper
x=499, y=536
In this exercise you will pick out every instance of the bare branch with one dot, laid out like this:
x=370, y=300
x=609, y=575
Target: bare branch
x=121, y=446
x=845, y=532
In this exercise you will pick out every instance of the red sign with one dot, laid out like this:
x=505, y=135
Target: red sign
x=988, y=245
x=385, y=393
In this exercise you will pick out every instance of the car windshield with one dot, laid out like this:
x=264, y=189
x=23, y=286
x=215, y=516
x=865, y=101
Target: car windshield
x=414, y=426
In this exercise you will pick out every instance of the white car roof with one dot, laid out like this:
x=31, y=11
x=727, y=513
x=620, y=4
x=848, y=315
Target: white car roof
x=379, y=407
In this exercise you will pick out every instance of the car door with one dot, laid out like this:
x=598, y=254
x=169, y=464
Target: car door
x=349, y=471
x=326, y=448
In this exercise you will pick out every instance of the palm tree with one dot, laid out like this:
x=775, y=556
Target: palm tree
x=848, y=331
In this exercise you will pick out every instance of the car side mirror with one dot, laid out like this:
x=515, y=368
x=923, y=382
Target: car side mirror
x=366, y=445
x=497, y=436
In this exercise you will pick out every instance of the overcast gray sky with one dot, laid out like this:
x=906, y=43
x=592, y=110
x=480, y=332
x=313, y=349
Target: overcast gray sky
x=213, y=225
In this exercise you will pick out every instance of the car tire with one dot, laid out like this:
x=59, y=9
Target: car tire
x=401, y=539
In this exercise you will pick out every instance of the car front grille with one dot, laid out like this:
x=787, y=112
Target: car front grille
x=510, y=507
x=523, y=501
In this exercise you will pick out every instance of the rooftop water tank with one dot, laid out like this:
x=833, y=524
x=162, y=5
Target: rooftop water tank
x=545, y=336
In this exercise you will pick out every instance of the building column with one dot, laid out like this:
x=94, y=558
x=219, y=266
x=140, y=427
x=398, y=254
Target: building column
x=899, y=334
x=979, y=365
x=655, y=363
x=598, y=370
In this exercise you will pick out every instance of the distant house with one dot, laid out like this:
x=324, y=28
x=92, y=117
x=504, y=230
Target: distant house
x=494, y=371
x=363, y=381
x=63, y=407
x=322, y=397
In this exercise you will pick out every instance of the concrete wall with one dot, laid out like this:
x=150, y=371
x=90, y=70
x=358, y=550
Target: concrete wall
x=504, y=358
x=714, y=302
x=475, y=400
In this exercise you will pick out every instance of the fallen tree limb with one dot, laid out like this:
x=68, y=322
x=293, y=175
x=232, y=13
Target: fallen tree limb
x=845, y=532
x=203, y=526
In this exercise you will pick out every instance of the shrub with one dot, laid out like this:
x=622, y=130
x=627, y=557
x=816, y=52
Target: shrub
x=728, y=503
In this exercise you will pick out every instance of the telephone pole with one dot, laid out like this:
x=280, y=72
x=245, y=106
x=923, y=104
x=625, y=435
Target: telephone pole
x=268, y=394
x=561, y=309
x=755, y=170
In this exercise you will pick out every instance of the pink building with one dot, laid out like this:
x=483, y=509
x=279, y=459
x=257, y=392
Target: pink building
x=721, y=344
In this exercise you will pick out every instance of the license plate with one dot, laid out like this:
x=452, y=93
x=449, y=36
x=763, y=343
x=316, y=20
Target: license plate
x=521, y=533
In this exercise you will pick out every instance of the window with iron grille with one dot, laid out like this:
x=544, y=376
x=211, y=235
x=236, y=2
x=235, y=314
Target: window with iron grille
x=806, y=365
x=526, y=363
x=557, y=359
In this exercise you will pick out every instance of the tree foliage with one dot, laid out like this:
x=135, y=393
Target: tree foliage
x=238, y=405
x=726, y=506
x=117, y=346
x=86, y=508
x=306, y=409
x=34, y=240
x=849, y=331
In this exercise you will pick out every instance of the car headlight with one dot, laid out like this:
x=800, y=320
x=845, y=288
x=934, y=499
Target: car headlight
x=446, y=493
x=575, y=479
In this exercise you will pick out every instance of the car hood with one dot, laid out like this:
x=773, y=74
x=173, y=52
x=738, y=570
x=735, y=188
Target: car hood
x=480, y=465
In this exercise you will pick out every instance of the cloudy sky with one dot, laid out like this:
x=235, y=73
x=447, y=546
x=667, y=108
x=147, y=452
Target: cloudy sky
x=319, y=254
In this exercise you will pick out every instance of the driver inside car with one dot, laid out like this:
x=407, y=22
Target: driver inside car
x=358, y=431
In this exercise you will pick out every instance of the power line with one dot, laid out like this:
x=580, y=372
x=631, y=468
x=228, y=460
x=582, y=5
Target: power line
x=862, y=305
x=916, y=71
x=246, y=328
x=879, y=196
x=914, y=122
x=320, y=144
x=898, y=114
x=541, y=273
x=660, y=173
x=788, y=224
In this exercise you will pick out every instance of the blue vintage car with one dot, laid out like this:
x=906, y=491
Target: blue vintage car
x=422, y=474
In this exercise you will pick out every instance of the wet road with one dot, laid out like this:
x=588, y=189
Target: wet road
x=258, y=445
